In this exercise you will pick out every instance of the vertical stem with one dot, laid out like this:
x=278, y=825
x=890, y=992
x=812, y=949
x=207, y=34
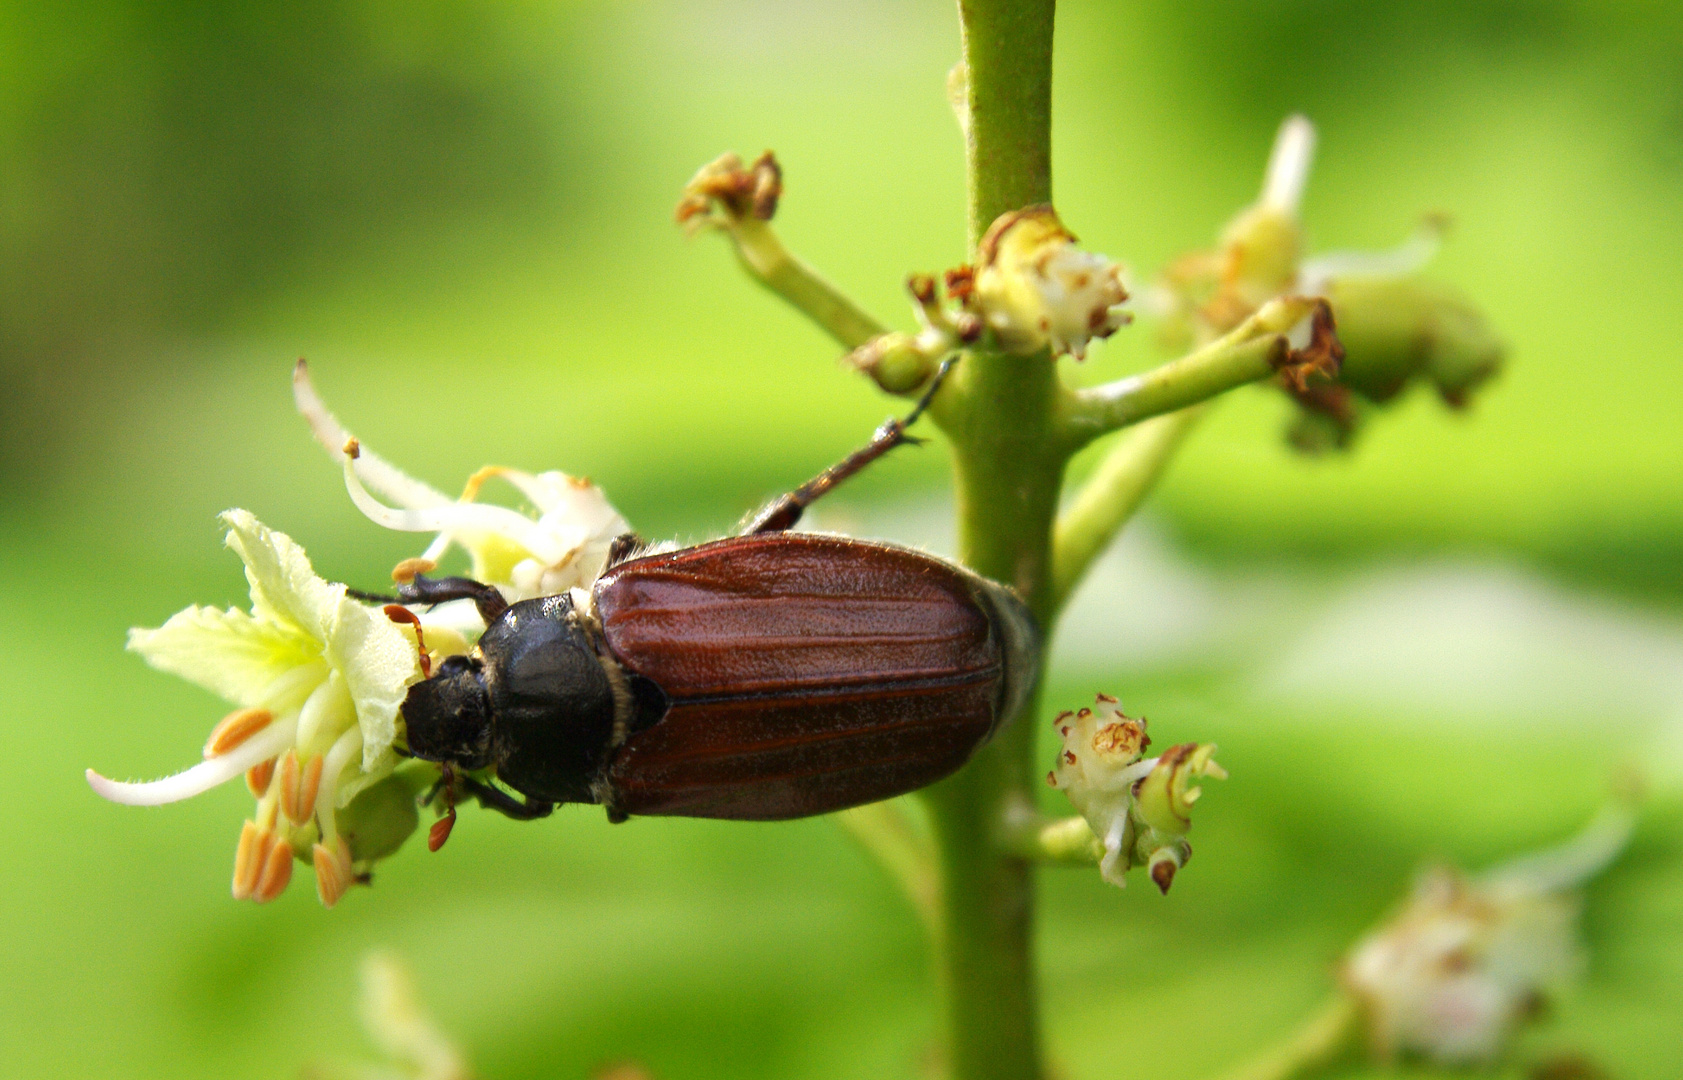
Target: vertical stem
x=1008, y=61
x=1008, y=469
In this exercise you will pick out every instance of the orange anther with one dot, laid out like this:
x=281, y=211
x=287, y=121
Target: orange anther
x=333, y=871
x=236, y=728
x=404, y=572
x=309, y=786
x=276, y=873
x=289, y=777
x=248, y=860
x=257, y=778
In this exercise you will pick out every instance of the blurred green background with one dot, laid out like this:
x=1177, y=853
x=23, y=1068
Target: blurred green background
x=460, y=212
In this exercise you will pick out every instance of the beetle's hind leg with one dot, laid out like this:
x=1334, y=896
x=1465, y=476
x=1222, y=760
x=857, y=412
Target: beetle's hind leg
x=495, y=798
x=786, y=511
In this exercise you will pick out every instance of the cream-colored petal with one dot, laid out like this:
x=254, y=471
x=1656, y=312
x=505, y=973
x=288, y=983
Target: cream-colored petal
x=233, y=655
x=284, y=587
x=375, y=471
x=378, y=662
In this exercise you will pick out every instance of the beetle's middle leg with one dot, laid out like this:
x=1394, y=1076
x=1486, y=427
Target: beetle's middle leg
x=495, y=798
x=785, y=511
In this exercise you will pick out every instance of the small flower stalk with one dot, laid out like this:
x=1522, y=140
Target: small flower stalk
x=1139, y=808
x=1470, y=958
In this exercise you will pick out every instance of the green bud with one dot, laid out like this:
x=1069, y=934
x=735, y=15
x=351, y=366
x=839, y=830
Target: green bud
x=1260, y=252
x=1166, y=795
x=1398, y=329
x=377, y=822
x=897, y=362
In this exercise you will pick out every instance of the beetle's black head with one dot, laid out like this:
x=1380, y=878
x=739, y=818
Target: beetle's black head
x=449, y=715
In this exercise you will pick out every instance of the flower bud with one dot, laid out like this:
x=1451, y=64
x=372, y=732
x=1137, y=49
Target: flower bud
x=1469, y=959
x=381, y=817
x=1398, y=329
x=898, y=362
x=1036, y=290
x=1140, y=810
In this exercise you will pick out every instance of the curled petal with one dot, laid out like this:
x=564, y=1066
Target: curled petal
x=455, y=518
x=375, y=471
x=268, y=743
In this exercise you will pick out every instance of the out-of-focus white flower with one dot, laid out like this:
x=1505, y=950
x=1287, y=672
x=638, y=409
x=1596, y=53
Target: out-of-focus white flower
x=1035, y=289
x=565, y=546
x=1139, y=808
x=316, y=679
x=1469, y=958
x=401, y=1027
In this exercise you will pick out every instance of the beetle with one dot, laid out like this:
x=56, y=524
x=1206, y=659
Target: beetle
x=766, y=676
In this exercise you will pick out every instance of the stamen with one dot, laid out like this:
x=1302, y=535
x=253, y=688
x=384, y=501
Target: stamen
x=1288, y=165
x=236, y=728
x=248, y=859
x=404, y=572
x=455, y=518
x=201, y=777
x=289, y=786
x=378, y=473
x=333, y=871
x=327, y=791
x=258, y=777
x=276, y=873
x=309, y=787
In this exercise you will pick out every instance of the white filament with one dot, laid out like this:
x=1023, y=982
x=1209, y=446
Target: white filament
x=202, y=777
x=455, y=518
x=333, y=765
x=376, y=472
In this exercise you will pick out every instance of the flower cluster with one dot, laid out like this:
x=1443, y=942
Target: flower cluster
x=1396, y=327
x=1468, y=959
x=1139, y=808
x=317, y=678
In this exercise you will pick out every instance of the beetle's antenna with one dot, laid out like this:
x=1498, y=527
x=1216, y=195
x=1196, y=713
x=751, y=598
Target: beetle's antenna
x=784, y=512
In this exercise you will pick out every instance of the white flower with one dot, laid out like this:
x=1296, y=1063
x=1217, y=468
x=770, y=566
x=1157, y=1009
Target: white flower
x=1139, y=808
x=1035, y=289
x=1468, y=959
x=565, y=546
x=316, y=679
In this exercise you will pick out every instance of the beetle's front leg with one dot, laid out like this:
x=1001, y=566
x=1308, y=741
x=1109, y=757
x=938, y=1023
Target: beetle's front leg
x=783, y=513
x=425, y=590
x=495, y=798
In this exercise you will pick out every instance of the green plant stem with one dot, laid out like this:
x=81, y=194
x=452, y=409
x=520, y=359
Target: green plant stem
x=1111, y=496
x=884, y=830
x=1322, y=1040
x=1250, y=352
x=767, y=261
x=1050, y=841
x=998, y=412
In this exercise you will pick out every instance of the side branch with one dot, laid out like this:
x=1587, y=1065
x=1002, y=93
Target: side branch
x=740, y=201
x=1257, y=349
x=1322, y=1040
x=1111, y=496
x=1049, y=842
x=763, y=255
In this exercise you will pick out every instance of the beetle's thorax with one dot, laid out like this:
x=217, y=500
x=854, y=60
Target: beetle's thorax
x=553, y=701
